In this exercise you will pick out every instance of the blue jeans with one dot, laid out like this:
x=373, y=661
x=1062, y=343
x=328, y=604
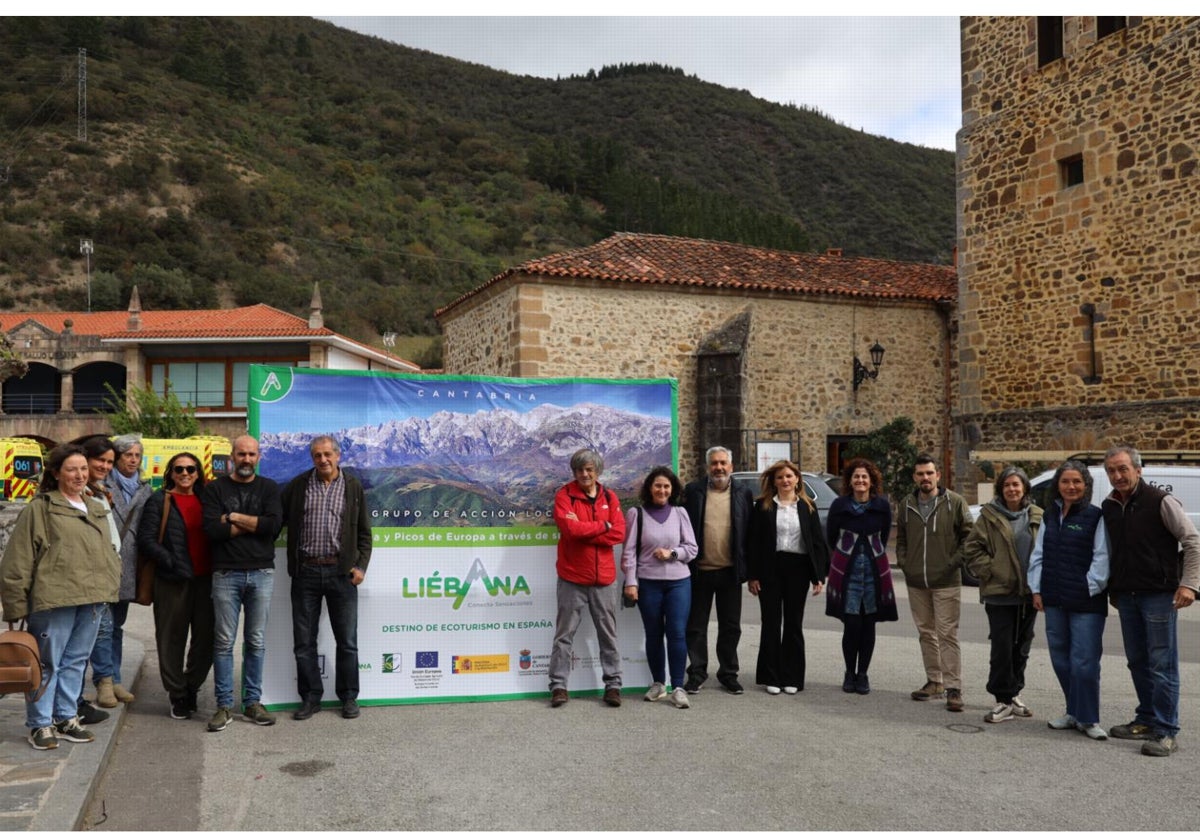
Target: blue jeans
x=65, y=637
x=1076, y=642
x=664, y=605
x=1148, y=627
x=311, y=584
x=231, y=592
x=106, y=655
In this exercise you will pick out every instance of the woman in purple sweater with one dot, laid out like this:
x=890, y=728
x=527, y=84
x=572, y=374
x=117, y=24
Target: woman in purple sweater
x=659, y=544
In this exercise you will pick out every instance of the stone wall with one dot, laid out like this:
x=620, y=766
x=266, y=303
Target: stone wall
x=1078, y=303
x=797, y=368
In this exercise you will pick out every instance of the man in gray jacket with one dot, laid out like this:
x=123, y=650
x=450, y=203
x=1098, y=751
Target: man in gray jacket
x=931, y=527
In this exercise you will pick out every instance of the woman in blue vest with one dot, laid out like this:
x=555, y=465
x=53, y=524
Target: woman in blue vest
x=1068, y=576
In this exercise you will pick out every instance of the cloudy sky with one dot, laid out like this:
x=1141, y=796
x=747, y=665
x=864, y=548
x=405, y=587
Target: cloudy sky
x=898, y=77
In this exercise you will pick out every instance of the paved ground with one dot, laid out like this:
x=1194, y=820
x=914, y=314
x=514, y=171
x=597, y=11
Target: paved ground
x=820, y=760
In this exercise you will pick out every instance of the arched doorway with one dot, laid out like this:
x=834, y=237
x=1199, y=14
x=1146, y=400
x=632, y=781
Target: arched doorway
x=90, y=381
x=37, y=392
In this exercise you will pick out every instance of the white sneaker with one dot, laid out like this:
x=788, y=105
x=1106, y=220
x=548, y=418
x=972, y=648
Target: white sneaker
x=1019, y=709
x=1064, y=722
x=1093, y=731
x=1001, y=712
x=679, y=699
x=790, y=689
x=772, y=689
x=657, y=692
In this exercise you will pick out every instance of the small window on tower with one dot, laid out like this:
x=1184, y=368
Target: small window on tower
x=1071, y=170
x=1106, y=26
x=1050, y=39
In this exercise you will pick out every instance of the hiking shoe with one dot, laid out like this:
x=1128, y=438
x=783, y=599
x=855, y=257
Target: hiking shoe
x=1064, y=722
x=1019, y=709
x=612, y=696
x=692, y=686
x=89, y=715
x=954, y=700
x=43, y=738
x=1161, y=746
x=558, y=697
x=71, y=730
x=679, y=699
x=848, y=683
x=221, y=719
x=999, y=713
x=104, y=693
x=257, y=713
x=930, y=691
x=192, y=705
x=657, y=692
x=862, y=685
x=1093, y=731
x=730, y=684
x=180, y=710
x=1132, y=731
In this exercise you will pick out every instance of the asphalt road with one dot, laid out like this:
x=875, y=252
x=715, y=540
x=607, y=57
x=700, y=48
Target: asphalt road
x=821, y=760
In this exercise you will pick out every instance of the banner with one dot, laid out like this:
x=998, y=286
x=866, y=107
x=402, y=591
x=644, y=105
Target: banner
x=460, y=474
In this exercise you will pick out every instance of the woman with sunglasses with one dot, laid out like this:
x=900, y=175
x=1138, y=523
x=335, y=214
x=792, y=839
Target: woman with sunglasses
x=182, y=582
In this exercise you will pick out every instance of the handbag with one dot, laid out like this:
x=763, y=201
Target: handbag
x=146, y=564
x=20, y=663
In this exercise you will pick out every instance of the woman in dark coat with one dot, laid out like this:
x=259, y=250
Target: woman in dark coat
x=182, y=582
x=860, y=589
x=787, y=553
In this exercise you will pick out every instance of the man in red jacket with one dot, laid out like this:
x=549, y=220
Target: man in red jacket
x=590, y=523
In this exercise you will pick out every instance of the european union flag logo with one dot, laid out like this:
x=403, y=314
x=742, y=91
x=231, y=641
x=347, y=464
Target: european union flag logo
x=427, y=659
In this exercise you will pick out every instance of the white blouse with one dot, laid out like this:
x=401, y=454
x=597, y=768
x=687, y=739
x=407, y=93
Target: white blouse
x=787, y=528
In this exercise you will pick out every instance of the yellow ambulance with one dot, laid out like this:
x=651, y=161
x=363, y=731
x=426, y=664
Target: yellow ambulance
x=215, y=454
x=20, y=468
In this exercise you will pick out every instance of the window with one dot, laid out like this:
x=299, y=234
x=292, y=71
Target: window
x=1071, y=171
x=1050, y=39
x=1106, y=26
x=219, y=384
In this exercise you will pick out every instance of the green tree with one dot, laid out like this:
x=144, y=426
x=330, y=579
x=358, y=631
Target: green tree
x=894, y=454
x=150, y=414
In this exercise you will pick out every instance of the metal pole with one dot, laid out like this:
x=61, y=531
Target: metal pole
x=85, y=248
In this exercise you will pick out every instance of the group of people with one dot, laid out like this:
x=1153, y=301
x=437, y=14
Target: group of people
x=70, y=569
x=686, y=548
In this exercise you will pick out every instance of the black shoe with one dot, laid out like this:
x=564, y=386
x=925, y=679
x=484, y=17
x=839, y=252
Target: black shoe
x=862, y=685
x=692, y=686
x=180, y=710
x=848, y=683
x=89, y=715
x=307, y=709
x=731, y=685
x=190, y=701
x=350, y=709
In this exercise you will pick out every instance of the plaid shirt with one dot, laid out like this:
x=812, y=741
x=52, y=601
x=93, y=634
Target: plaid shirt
x=324, y=504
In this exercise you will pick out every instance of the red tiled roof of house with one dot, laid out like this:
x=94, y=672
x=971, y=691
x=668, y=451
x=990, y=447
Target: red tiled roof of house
x=677, y=261
x=255, y=321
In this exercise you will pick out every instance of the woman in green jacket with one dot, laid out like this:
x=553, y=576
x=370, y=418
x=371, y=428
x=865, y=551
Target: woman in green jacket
x=997, y=552
x=59, y=571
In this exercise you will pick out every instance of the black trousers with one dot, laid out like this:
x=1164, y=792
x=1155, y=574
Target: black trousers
x=722, y=586
x=1010, y=629
x=183, y=608
x=782, y=599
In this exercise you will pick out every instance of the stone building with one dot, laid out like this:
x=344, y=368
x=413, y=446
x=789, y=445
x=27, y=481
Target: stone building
x=762, y=342
x=204, y=353
x=1078, y=232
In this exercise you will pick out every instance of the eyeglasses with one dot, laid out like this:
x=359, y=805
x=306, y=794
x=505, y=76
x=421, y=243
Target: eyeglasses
x=178, y=468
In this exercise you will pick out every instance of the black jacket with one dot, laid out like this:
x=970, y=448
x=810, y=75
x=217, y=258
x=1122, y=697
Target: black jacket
x=172, y=558
x=762, y=541
x=695, y=496
x=355, y=539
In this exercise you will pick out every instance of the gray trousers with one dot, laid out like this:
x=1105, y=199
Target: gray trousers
x=601, y=602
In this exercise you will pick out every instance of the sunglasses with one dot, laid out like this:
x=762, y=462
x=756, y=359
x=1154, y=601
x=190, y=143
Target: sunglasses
x=182, y=469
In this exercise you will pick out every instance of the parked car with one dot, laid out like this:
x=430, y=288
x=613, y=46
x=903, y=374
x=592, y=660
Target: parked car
x=821, y=487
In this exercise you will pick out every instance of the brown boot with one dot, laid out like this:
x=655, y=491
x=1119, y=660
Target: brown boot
x=121, y=694
x=104, y=693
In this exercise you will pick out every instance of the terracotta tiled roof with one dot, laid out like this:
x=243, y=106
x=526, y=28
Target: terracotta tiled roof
x=255, y=321
x=676, y=261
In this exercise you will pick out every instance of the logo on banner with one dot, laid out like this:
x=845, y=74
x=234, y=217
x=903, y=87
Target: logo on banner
x=490, y=664
x=391, y=663
x=427, y=659
x=525, y=660
x=452, y=587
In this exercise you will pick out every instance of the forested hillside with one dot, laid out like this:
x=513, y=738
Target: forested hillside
x=240, y=160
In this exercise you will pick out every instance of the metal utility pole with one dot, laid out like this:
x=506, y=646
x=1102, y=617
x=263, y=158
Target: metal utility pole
x=85, y=248
x=81, y=122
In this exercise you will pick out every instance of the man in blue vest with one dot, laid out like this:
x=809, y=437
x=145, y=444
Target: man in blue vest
x=1150, y=581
